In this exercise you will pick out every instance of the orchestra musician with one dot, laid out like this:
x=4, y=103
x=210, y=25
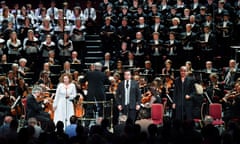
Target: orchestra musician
x=232, y=101
x=22, y=69
x=4, y=97
x=22, y=88
x=148, y=71
x=207, y=71
x=230, y=74
x=107, y=62
x=168, y=70
x=74, y=58
x=51, y=59
x=36, y=108
x=215, y=89
x=67, y=68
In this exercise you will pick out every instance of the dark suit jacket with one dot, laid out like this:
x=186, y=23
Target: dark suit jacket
x=111, y=64
x=96, y=80
x=33, y=107
x=211, y=44
x=135, y=95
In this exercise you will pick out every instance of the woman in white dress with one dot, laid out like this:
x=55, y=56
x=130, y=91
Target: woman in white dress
x=62, y=104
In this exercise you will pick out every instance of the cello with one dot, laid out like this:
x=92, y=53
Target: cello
x=79, y=110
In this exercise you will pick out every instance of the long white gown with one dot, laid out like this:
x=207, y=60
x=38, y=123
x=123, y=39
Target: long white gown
x=64, y=107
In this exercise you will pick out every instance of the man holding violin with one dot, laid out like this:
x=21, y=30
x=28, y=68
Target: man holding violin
x=35, y=108
x=232, y=103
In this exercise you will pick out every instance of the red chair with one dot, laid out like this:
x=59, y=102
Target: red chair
x=215, y=110
x=24, y=103
x=157, y=112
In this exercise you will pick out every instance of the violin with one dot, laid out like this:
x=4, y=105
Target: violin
x=146, y=97
x=47, y=100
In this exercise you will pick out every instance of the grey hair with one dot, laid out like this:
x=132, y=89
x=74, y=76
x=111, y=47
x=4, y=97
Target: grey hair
x=98, y=66
x=36, y=89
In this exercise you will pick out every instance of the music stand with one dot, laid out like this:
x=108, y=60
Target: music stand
x=236, y=51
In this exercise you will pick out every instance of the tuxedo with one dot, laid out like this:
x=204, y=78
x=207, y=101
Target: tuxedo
x=127, y=62
x=144, y=29
x=107, y=34
x=172, y=49
x=134, y=97
x=160, y=28
x=195, y=9
x=111, y=64
x=90, y=14
x=188, y=45
x=35, y=109
x=207, y=48
x=96, y=90
x=123, y=32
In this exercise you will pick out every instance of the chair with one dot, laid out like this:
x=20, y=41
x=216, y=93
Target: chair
x=24, y=103
x=215, y=110
x=157, y=113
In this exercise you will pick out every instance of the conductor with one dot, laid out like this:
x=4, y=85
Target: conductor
x=96, y=90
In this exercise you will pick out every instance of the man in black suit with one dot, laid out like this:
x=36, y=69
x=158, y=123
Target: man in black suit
x=183, y=94
x=96, y=90
x=231, y=74
x=107, y=62
x=207, y=71
x=128, y=96
x=35, y=108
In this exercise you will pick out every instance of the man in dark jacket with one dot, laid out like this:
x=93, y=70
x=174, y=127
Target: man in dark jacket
x=128, y=96
x=96, y=90
x=35, y=108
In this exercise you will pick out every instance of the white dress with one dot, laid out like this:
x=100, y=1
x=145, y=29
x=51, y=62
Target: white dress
x=64, y=107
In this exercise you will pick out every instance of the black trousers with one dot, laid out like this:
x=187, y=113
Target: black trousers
x=129, y=112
